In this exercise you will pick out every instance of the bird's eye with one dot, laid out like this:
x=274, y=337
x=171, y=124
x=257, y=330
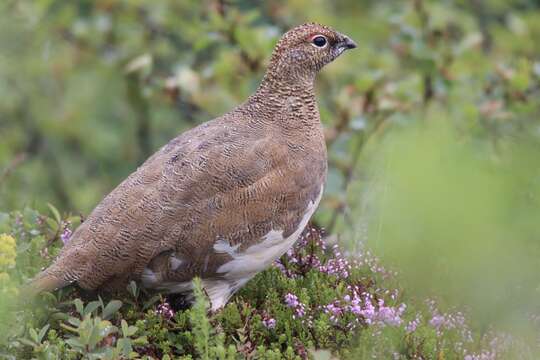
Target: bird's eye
x=319, y=41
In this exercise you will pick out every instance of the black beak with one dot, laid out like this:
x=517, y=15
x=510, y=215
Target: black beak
x=347, y=43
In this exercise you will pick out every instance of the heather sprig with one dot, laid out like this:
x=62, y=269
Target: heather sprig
x=164, y=309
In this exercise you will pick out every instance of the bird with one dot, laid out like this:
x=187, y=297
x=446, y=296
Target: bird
x=221, y=201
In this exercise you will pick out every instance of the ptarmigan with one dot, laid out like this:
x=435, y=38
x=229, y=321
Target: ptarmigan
x=221, y=201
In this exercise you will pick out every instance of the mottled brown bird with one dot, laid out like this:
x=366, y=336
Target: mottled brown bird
x=221, y=201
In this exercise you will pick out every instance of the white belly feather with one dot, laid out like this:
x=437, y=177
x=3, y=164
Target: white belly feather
x=244, y=265
x=259, y=256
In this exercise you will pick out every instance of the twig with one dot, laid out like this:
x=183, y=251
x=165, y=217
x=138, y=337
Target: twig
x=17, y=160
x=142, y=113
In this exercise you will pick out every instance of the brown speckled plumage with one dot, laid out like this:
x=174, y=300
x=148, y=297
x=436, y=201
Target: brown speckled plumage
x=238, y=187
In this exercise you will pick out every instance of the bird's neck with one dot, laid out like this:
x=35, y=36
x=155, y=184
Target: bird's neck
x=280, y=78
x=277, y=92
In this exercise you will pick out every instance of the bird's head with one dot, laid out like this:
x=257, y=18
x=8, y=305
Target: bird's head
x=304, y=50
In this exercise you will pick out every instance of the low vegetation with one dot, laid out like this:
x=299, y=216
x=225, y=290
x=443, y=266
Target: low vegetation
x=317, y=301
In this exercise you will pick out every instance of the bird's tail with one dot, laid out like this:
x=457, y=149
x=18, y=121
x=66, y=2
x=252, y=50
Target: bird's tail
x=41, y=283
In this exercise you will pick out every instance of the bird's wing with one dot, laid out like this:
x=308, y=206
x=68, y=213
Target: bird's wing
x=242, y=191
x=211, y=183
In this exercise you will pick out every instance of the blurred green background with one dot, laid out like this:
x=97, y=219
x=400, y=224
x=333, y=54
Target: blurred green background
x=433, y=123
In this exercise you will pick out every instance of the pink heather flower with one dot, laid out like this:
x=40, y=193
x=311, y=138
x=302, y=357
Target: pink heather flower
x=382, y=314
x=291, y=253
x=287, y=272
x=356, y=309
x=338, y=265
x=269, y=323
x=164, y=309
x=304, y=257
x=66, y=234
x=390, y=315
x=313, y=261
x=486, y=355
x=368, y=312
x=449, y=321
x=291, y=300
x=412, y=325
x=335, y=310
x=437, y=321
x=300, y=311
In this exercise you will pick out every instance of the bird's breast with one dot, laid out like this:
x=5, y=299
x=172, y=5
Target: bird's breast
x=261, y=255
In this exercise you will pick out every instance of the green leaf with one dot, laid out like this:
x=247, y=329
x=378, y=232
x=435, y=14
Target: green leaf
x=132, y=330
x=96, y=334
x=133, y=289
x=42, y=333
x=79, y=306
x=141, y=340
x=33, y=335
x=154, y=299
x=74, y=219
x=125, y=328
x=74, y=321
x=100, y=300
x=91, y=307
x=125, y=345
x=75, y=343
x=70, y=328
x=142, y=63
x=52, y=224
x=106, y=328
x=55, y=213
x=320, y=354
x=28, y=342
x=112, y=307
x=60, y=316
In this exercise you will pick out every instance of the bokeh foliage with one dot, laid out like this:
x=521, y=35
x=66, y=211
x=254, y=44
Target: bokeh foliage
x=90, y=88
x=433, y=123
